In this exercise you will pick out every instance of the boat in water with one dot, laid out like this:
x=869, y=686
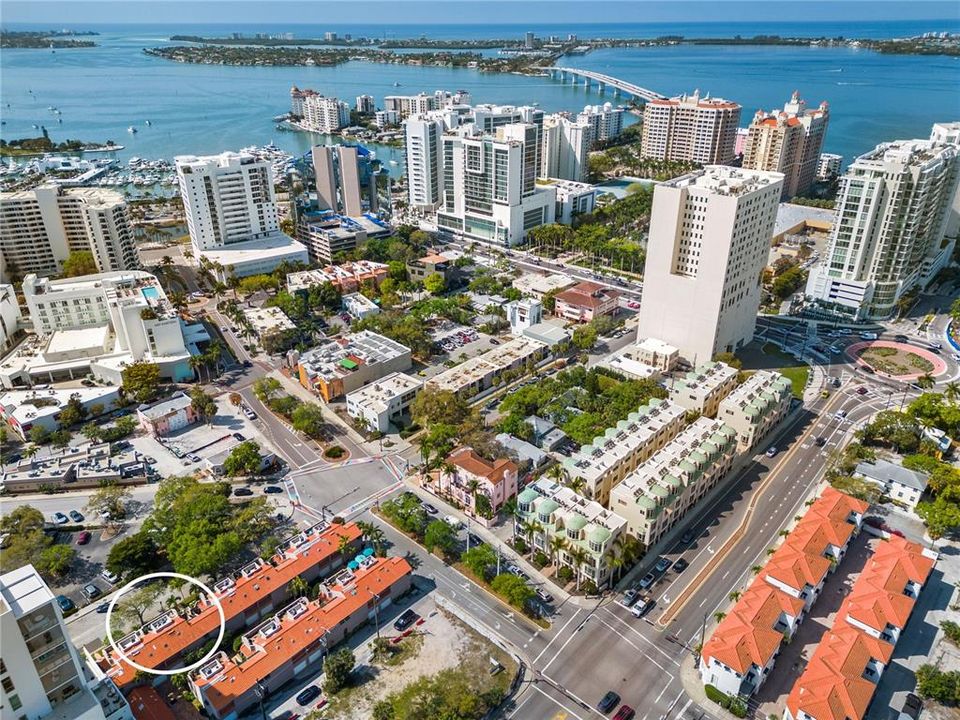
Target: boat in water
x=131, y=129
x=147, y=122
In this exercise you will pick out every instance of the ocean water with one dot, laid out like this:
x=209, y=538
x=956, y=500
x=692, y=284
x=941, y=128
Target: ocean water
x=196, y=109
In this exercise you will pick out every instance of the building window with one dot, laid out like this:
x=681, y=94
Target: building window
x=15, y=703
x=7, y=685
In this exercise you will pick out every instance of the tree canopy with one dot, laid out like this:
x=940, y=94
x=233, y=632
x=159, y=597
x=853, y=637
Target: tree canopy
x=244, y=459
x=79, y=262
x=141, y=380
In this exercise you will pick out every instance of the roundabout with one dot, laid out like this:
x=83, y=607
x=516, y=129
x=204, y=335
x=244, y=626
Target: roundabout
x=896, y=360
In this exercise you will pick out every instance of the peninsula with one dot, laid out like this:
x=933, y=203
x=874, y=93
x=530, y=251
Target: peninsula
x=43, y=145
x=46, y=39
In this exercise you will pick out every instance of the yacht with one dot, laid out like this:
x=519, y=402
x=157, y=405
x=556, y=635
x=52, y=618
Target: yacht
x=147, y=122
x=131, y=129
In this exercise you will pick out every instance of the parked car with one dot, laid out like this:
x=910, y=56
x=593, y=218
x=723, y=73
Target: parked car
x=862, y=390
x=494, y=341
x=76, y=516
x=83, y=538
x=110, y=577
x=60, y=519
x=663, y=564
x=65, y=603
x=430, y=509
x=408, y=618
x=629, y=597
x=242, y=491
x=771, y=451
x=544, y=595
x=642, y=607
x=91, y=591
x=608, y=702
x=453, y=521
x=624, y=713
x=308, y=695
x=647, y=582
x=474, y=540
x=680, y=565
x=195, y=458
x=272, y=489
x=239, y=436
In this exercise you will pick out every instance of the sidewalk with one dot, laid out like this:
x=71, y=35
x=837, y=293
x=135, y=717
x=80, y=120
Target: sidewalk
x=693, y=686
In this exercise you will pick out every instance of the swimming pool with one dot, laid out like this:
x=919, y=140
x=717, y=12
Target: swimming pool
x=151, y=293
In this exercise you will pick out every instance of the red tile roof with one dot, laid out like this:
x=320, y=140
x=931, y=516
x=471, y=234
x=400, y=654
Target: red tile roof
x=796, y=568
x=146, y=704
x=468, y=460
x=587, y=294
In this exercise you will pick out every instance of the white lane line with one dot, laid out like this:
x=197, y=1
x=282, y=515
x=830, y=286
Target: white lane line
x=559, y=633
x=564, y=708
x=562, y=648
x=641, y=636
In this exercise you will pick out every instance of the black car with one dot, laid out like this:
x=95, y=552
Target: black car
x=247, y=364
x=239, y=436
x=76, y=516
x=820, y=441
x=474, y=540
x=680, y=565
x=308, y=695
x=430, y=509
x=900, y=338
x=688, y=537
x=103, y=607
x=272, y=489
x=608, y=702
x=406, y=620
x=242, y=491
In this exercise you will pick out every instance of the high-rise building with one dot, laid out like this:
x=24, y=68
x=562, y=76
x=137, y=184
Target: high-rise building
x=408, y=105
x=690, y=128
x=346, y=179
x=528, y=40
x=710, y=235
x=39, y=229
x=605, y=121
x=325, y=114
x=424, y=166
x=828, y=166
x=564, y=148
x=231, y=214
x=366, y=104
x=489, y=183
x=41, y=674
x=895, y=206
x=788, y=141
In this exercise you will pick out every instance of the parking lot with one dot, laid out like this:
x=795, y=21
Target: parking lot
x=86, y=568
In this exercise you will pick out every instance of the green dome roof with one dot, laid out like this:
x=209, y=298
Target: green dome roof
x=598, y=535
x=528, y=495
x=575, y=522
x=547, y=506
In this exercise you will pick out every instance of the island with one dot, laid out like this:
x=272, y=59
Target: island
x=293, y=56
x=43, y=145
x=46, y=39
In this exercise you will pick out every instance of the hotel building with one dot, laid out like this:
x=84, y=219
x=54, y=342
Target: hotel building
x=690, y=128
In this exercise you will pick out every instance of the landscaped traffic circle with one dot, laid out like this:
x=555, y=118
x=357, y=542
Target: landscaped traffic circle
x=157, y=576
x=900, y=361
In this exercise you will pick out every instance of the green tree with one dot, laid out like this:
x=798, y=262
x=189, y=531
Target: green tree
x=939, y=685
x=440, y=536
x=434, y=283
x=109, y=502
x=60, y=438
x=134, y=556
x=203, y=404
x=73, y=413
x=141, y=380
x=941, y=516
x=244, y=459
x=514, y=589
x=79, y=262
x=479, y=559
x=54, y=561
x=265, y=388
x=584, y=337
x=337, y=669
x=308, y=419
x=298, y=587
x=432, y=407
x=39, y=434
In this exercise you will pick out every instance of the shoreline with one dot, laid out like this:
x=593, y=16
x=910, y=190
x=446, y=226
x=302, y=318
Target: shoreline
x=94, y=149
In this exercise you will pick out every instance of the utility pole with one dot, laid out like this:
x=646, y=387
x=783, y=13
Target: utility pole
x=376, y=611
x=703, y=630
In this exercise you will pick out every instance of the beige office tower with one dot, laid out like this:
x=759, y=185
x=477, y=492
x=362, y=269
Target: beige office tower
x=338, y=179
x=690, y=128
x=39, y=229
x=326, y=176
x=788, y=141
x=710, y=236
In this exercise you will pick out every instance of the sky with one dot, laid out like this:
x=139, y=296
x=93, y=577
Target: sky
x=56, y=14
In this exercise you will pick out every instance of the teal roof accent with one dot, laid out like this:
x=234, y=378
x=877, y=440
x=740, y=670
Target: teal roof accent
x=646, y=503
x=598, y=535
x=659, y=491
x=672, y=481
x=547, y=506
x=527, y=495
x=575, y=522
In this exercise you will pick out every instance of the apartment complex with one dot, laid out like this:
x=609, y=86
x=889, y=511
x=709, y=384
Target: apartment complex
x=756, y=407
x=41, y=673
x=10, y=317
x=657, y=496
x=895, y=208
x=39, y=229
x=231, y=213
x=701, y=390
x=788, y=141
x=325, y=115
x=489, y=187
x=346, y=179
x=829, y=166
x=479, y=373
x=365, y=104
x=606, y=461
x=339, y=366
x=648, y=358
x=573, y=198
x=294, y=641
x=347, y=277
x=565, y=147
x=709, y=239
x=470, y=476
x=424, y=161
x=99, y=324
x=690, y=128
x=568, y=525
x=247, y=597
x=383, y=401
x=325, y=234
x=604, y=121
x=585, y=301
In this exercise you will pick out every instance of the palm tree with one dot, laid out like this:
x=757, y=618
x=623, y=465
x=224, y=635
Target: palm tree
x=735, y=595
x=344, y=546
x=558, y=473
x=952, y=390
x=166, y=261
x=557, y=544
x=531, y=528
x=719, y=615
x=31, y=451
x=925, y=381
x=298, y=587
x=196, y=362
x=579, y=557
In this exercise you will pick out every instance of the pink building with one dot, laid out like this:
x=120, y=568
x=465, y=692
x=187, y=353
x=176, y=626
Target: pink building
x=168, y=415
x=585, y=301
x=496, y=480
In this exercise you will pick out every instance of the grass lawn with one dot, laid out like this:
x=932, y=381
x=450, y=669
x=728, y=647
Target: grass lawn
x=789, y=367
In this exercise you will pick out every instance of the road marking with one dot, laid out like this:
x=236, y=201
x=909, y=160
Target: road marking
x=559, y=633
x=562, y=647
x=640, y=635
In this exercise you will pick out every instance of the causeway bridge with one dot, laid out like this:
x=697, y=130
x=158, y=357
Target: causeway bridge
x=588, y=78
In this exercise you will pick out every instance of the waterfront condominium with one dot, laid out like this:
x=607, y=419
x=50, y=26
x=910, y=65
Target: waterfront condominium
x=605, y=121
x=710, y=235
x=346, y=179
x=325, y=114
x=895, y=228
x=490, y=191
x=564, y=147
x=39, y=229
x=788, y=141
x=424, y=165
x=690, y=128
x=828, y=166
x=231, y=214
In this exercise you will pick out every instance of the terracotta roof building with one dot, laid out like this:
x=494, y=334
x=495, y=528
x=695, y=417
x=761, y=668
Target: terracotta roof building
x=497, y=481
x=585, y=301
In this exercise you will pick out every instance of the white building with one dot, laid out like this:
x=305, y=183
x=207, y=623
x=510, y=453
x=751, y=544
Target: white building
x=41, y=674
x=660, y=492
x=339, y=366
x=407, y=105
x=756, y=407
x=701, y=390
x=39, y=228
x=359, y=305
x=605, y=121
x=536, y=285
x=424, y=161
x=897, y=482
x=325, y=234
x=710, y=235
x=267, y=321
x=325, y=115
x=23, y=410
x=9, y=317
x=829, y=166
x=573, y=198
x=564, y=148
x=522, y=314
x=690, y=128
x=489, y=184
x=623, y=448
x=366, y=104
x=480, y=372
x=646, y=359
x=99, y=324
x=383, y=401
x=894, y=209
x=231, y=213
x=386, y=118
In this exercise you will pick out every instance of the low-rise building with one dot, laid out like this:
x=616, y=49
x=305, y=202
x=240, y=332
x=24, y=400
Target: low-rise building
x=246, y=598
x=522, y=314
x=569, y=523
x=478, y=373
x=585, y=301
x=524, y=452
x=657, y=496
x=342, y=365
x=701, y=390
x=268, y=321
x=167, y=416
x=546, y=435
x=573, y=198
x=76, y=468
x=383, y=401
x=359, y=305
x=23, y=410
x=295, y=641
x=536, y=285
x=348, y=277
x=895, y=481
x=756, y=407
x=325, y=234
x=646, y=359
x=470, y=476
x=622, y=448
x=656, y=353
x=422, y=268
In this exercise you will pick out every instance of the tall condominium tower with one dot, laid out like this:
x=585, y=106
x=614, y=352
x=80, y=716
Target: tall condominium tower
x=346, y=179
x=325, y=114
x=424, y=167
x=231, y=214
x=39, y=228
x=691, y=128
x=710, y=235
x=605, y=121
x=489, y=183
x=564, y=148
x=895, y=209
x=789, y=142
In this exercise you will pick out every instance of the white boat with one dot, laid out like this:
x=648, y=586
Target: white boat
x=131, y=129
x=147, y=122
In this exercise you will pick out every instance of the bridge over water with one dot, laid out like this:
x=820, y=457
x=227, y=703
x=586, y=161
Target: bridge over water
x=588, y=77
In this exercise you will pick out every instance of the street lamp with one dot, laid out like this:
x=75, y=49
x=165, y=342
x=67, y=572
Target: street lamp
x=376, y=610
x=261, y=692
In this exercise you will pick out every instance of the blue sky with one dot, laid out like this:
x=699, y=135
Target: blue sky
x=59, y=13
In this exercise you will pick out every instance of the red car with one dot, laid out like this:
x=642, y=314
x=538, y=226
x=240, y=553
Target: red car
x=83, y=538
x=624, y=713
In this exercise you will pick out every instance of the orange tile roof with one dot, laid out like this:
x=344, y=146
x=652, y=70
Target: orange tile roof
x=257, y=580
x=587, y=294
x=837, y=505
x=297, y=633
x=832, y=686
x=467, y=459
x=814, y=534
x=898, y=559
x=876, y=608
x=763, y=604
x=146, y=704
x=795, y=568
